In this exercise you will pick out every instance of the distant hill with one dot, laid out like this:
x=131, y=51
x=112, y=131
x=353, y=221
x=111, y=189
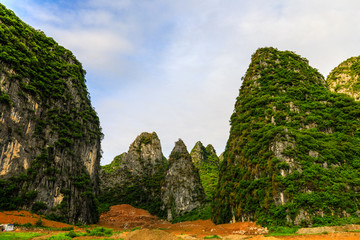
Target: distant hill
x=144, y=178
x=135, y=177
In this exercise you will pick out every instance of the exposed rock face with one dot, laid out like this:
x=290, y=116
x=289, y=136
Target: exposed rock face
x=345, y=78
x=182, y=190
x=49, y=132
x=208, y=164
x=291, y=157
x=135, y=177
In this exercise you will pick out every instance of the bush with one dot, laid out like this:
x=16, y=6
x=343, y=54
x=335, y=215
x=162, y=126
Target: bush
x=72, y=234
x=38, y=206
x=99, y=232
x=39, y=223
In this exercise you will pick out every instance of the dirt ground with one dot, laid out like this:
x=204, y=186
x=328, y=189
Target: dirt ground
x=138, y=224
x=22, y=217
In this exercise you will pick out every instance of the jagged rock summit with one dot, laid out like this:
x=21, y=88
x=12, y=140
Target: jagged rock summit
x=135, y=177
x=208, y=164
x=292, y=153
x=49, y=132
x=199, y=153
x=182, y=190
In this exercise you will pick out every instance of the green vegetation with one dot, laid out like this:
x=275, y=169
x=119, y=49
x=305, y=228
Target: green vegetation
x=19, y=235
x=60, y=236
x=134, y=229
x=113, y=165
x=208, y=164
x=282, y=231
x=293, y=154
x=50, y=77
x=202, y=213
x=98, y=232
x=212, y=237
x=141, y=192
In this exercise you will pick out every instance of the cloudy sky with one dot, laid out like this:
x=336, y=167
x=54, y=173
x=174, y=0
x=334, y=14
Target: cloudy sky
x=175, y=66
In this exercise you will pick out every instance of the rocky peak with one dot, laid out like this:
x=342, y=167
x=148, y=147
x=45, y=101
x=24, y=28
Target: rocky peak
x=182, y=190
x=345, y=78
x=198, y=154
x=143, y=152
x=135, y=177
x=284, y=148
x=210, y=149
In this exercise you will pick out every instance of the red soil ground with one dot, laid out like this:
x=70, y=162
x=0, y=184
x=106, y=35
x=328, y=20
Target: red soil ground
x=127, y=217
x=22, y=217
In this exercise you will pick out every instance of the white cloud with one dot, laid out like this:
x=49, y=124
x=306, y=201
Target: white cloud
x=98, y=48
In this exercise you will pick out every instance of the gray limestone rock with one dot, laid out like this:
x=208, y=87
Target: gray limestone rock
x=182, y=191
x=135, y=177
x=49, y=132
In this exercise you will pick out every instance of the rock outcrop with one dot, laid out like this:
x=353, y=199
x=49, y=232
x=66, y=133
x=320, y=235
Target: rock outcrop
x=49, y=132
x=182, y=190
x=208, y=164
x=135, y=177
x=292, y=153
x=345, y=78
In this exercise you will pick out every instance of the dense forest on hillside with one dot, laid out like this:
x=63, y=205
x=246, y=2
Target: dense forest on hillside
x=293, y=155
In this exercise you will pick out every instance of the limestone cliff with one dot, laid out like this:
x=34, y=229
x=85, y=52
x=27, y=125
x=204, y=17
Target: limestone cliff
x=135, y=177
x=292, y=153
x=49, y=132
x=182, y=190
x=208, y=164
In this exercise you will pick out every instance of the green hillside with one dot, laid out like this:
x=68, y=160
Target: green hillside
x=293, y=154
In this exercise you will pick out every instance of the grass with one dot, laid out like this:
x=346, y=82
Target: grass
x=98, y=232
x=19, y=235
x=212, y=237
x=29, y=225
x=60, y=236
x=136, y=228
x=282, y=231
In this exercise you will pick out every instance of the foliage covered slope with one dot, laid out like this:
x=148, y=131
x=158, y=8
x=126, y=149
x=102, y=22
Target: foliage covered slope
x=208, y=164
x=49, y=132
x=293, y=154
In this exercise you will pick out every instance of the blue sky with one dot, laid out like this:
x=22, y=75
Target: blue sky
x=175, y=67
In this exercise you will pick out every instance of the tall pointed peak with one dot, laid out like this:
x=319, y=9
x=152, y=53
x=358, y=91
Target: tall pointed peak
x=179, y=150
